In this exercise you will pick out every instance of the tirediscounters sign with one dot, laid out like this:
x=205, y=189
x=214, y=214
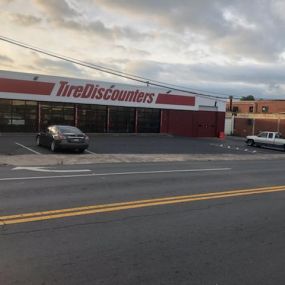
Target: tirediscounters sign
x=25, y=86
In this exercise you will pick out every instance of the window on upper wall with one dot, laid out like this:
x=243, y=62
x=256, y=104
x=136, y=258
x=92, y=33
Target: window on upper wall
x=250, y=109
x=264, y=109
x=235, y=109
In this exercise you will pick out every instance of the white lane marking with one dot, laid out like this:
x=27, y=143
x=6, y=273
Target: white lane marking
x=44, y=169
x=23, y=146
x=114, y=174
x=89, y=151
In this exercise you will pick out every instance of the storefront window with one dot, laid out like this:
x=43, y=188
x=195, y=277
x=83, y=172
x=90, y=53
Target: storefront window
x=18, y=116
x=92, y=118
x=5, y=114
x=22, y=116
x=148, y=120
x=56, y=114
x=122, y=120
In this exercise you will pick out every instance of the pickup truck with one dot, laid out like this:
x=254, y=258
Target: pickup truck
x=267, y=139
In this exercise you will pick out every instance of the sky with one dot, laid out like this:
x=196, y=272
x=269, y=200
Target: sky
x=225, y=47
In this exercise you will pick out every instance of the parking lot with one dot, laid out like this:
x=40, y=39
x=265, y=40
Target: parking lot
x=19, y=144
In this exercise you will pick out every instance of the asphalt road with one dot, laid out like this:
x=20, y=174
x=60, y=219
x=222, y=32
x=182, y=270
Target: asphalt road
x=219, y=238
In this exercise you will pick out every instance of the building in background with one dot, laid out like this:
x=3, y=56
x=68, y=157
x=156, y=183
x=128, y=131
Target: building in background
x=30, y=102
x=251, y=117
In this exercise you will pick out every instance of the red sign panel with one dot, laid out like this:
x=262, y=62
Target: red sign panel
x=25, y=86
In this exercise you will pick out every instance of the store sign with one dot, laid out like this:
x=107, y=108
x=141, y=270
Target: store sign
x=97, y=92
x=25, y=86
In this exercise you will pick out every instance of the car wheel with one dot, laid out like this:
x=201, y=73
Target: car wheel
x=81, y=150
x=38, y=141
x=53, y=146
x=250, y=142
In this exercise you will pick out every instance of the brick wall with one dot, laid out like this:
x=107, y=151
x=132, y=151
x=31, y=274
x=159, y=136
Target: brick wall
x=274, y=106
x=244, y=127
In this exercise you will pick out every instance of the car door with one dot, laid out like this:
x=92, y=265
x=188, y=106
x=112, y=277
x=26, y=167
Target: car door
x=261, y=139
x=43, y=137
x=279, y=141
x=46, y=136
x=270, y=139
x=49, y=136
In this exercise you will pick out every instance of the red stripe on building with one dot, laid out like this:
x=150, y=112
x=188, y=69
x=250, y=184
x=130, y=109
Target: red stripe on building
x=175, y=100
x=25, y=86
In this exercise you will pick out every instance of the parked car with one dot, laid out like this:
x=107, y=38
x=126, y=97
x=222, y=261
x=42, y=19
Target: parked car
x=267, y=139
x=63, y=137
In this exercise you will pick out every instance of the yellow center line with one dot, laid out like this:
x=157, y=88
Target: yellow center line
x=87, y=210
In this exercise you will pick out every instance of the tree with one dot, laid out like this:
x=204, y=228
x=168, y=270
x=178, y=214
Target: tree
x=247, y=98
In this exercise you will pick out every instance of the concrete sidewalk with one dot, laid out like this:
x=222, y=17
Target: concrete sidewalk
x=70, y=159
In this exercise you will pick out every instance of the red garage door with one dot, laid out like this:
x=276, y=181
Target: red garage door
x=206, y=124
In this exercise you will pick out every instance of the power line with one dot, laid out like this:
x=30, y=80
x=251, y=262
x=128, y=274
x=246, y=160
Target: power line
x=111, y=71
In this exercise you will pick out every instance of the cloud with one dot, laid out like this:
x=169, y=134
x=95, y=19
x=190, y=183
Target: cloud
x=219, y=45
x=98, y=28
x=56, y=67
x=254, y=74
x=25, y=20
x=232, y=79
x=5, y=59
x=6, y=2
x=241, y=29
x=56, y=9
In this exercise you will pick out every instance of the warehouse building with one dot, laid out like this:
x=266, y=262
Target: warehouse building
x=30, y=102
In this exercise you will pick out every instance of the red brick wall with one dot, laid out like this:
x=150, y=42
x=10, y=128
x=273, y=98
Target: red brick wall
x=243, y=128
x=266, y=125
x=274, y=106
x=243, y=107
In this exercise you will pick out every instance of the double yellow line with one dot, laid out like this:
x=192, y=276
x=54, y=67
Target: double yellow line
x=104, y=208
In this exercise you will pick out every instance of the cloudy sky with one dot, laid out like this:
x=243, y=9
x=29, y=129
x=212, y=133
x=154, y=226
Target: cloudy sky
x=229, y=47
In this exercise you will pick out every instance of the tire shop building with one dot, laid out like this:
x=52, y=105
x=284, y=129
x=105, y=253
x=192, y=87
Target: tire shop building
x=30, y=102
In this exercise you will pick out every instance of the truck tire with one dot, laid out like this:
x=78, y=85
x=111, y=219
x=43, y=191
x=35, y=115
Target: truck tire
x=250, y=142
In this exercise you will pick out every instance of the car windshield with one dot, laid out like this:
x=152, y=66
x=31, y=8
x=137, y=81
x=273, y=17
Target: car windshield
x=69, y=129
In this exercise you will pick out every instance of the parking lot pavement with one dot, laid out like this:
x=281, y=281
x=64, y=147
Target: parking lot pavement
x=19, y=144
x=22, y=151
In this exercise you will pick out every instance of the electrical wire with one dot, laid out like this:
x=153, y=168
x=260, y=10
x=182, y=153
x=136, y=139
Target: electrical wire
x=114, y=72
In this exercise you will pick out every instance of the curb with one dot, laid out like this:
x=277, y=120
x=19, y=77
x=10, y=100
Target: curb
x=45, y=160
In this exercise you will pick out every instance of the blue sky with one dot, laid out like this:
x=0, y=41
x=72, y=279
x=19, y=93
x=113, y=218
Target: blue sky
x=229, y=47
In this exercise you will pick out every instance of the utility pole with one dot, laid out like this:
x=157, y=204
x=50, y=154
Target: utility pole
x=231, y=103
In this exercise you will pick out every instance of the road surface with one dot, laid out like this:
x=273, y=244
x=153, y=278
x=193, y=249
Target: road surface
x=148, y=223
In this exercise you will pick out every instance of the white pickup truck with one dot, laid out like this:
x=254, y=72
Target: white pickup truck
x=267, y=139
